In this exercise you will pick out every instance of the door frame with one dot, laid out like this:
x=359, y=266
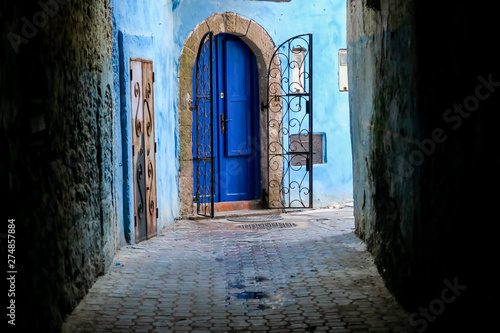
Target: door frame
x=263, y=47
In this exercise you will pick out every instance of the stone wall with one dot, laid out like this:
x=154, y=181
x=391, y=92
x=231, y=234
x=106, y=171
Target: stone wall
x=57, y=137
x=423, y=105
x=382, y=87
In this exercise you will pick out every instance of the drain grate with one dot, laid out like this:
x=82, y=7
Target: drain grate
x=273, y=225
x=255, y=218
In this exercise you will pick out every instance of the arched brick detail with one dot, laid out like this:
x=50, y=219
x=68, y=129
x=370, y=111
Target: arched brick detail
x=262, y=46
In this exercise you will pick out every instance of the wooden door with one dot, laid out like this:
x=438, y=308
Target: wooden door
x=143, y=149
x=239, y=144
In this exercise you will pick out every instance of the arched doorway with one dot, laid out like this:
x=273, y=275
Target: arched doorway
x=262, y=46
x=233, y=124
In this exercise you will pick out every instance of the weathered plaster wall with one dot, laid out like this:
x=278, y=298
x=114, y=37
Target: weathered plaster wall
x=57, y=136
x=423, y=111
x=144, y=29
x=327, y=21
x=382, y=83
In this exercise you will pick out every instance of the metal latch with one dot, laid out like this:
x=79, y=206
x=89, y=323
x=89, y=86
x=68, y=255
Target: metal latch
x=223, y=121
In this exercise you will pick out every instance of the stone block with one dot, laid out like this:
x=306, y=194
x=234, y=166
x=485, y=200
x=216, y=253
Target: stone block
x=186, y=63
x=258, y=39
x=193, y=40
x=185, y=118
x=186, y=145
x=185, y=95
x=186, y=195
x=229, y=22
x=187, y=168
x=216, y=24
x=242, y=25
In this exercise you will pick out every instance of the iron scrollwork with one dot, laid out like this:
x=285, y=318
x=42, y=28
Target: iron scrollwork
x=149, y=124
x=139, y=176
x=150, y=177
x=205, y=180
x=138, y=124
x=289, y=113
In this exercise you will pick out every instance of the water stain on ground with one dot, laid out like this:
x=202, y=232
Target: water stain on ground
x=251, y=295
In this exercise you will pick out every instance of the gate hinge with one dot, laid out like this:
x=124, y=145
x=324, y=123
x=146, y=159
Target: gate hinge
x=153, y=76
x=131, y=75
x=157, y=212
x=263, y=106
x=133, y=150
x=135, y=220
x=155, y=146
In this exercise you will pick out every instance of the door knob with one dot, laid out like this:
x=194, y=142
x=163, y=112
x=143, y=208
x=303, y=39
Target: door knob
x=223, y=121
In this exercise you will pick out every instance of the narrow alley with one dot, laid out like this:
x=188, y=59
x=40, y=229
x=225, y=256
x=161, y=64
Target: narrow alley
x=122, y=122
x=306, y=272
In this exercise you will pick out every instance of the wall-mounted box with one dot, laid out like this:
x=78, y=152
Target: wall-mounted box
x=298, y=71
x=300, y=143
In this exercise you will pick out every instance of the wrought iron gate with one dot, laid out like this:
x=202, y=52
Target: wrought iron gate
x=290, y=124
x=204, y=115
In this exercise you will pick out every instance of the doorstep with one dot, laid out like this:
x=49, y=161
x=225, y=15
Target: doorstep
x=237, y=208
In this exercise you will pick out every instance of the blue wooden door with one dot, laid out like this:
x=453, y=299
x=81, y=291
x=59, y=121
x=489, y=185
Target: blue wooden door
x=238, y=113
x=235, y=123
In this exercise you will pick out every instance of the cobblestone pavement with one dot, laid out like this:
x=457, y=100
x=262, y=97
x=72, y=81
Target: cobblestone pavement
x=215, y=276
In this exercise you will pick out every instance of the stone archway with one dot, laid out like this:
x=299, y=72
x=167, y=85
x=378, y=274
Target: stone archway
x=262, y=46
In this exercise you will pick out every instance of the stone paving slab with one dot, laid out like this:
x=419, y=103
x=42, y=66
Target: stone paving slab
x=211, y=276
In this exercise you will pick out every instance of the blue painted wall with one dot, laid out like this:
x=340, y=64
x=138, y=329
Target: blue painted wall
x=326, y=20
x=156, y=30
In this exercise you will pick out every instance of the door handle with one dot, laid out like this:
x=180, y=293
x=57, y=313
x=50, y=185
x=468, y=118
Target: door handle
x=223, y=121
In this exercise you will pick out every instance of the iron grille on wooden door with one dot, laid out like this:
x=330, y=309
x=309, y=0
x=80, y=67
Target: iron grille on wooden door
x=143, y=149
